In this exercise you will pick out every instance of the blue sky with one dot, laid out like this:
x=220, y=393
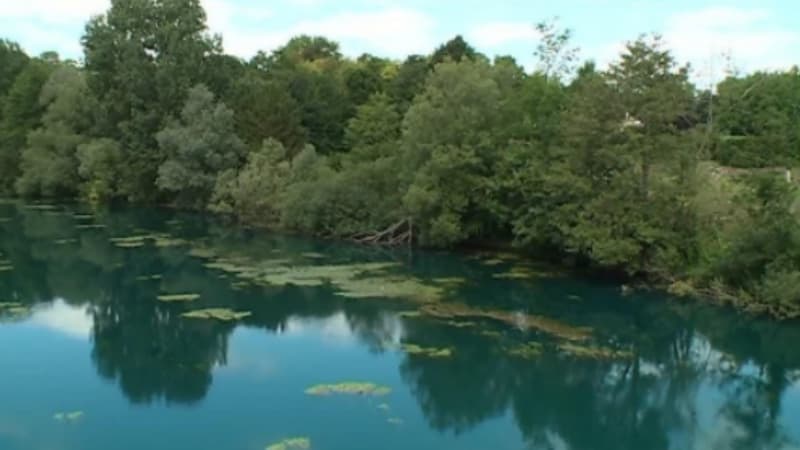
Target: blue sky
x=755, y=34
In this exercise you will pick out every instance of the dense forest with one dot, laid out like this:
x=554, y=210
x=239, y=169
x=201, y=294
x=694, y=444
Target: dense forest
x=629, y=169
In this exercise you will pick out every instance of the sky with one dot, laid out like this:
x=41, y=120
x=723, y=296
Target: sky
x=712, y=35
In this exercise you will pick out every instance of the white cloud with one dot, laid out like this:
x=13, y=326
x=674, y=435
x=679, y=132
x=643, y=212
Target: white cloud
x=711, y=39
x=68, y=320
x=51, y=11
x=495, y=34
x=394, y=32
x=702, y=37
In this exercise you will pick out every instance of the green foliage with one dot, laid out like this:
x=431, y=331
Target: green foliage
x=758, y=120
x=197, y=148
x=12, y=61
x=22, y=113
x=265, y=109
x=141, y=58
x=255, y=193
x=619, y=182
x=449, y=147
x=100, y=162
x=49, y=162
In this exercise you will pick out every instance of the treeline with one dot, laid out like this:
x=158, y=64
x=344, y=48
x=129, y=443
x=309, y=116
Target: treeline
x=627, y=169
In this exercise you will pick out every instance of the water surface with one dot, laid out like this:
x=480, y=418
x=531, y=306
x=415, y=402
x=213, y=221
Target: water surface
x=479, y=352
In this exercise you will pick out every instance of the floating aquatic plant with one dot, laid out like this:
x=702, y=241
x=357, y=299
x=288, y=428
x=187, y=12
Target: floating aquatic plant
x=166, y=242
x=90, y=226
x=41, y=207
x=155, y=277
x=428, y=352
x=492, y=262
x=450, y=281
x=592, y=352
x=296, y=443
x=349, y=388
x=178, y=297
x=223, y=314
x=530, y=350
x=73, y=416
x=517, y=319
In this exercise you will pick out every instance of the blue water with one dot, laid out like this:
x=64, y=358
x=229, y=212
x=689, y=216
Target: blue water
x=93, y=339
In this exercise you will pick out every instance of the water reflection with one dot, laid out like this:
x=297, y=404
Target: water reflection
x=698, y=378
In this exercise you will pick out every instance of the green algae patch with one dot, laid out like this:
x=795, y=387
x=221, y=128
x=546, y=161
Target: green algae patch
x=129, y=245
x=202, y=253
x=178, y=298
x=389, y=287
x=516, y=319
x=222, y=314
x=41, y=207
x=427, y=352
x=154, y=277
x=450, y=282
x=69, y=417
x=167, y=242
x=90, y=226
x=593, y=352
x=349, y=388
x=491, y=334
x=530, y=350
x=295, y=443
x=492, y=262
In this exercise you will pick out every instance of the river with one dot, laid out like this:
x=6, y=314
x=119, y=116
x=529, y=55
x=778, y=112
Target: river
x=150, y=329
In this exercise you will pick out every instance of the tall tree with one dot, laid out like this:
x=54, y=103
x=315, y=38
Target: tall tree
x=49, y=161
x=450, y=146
x=198, y=148
x=632, y=165
x=264, y=108
x=142, y=56
x=22, y=113
x=12, y=61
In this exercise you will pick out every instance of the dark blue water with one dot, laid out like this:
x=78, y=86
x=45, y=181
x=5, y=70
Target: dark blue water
x=91, y=359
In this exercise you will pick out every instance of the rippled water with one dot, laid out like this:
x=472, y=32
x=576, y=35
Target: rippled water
x=479, y=351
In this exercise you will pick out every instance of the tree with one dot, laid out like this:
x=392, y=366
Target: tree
x=264, y=108
x=629, y=164
x=556, y=56
x=255, y=194
x=49, y=162
x=756, y=120
x=100, y=164
x=449, y=150
x=409, y=81
x=365, y=77
x=12, y=61
x=22, y=113
x=197, y=148
x=455, y=50
x=142, y=57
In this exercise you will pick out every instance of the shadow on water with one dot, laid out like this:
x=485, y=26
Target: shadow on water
x=646, y=391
